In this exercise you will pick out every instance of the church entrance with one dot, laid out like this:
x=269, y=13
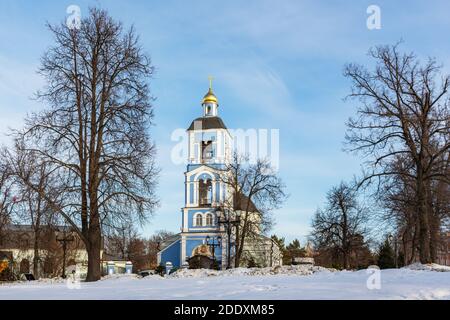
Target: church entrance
x=202, y=258
x=200, y=262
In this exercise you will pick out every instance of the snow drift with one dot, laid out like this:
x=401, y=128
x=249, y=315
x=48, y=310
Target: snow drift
x=284, y=270
x=428, y=267
x=287, y=282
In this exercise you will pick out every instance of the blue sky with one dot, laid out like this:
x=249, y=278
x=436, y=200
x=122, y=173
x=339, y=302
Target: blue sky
x=277, y=65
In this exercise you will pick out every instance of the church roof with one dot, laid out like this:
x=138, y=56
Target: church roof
x=205, y=123
x=241, y=202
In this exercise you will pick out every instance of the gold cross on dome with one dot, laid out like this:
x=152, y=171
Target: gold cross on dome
x=210, y=78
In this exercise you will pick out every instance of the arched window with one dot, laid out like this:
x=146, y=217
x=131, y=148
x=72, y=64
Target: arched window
x=24, y=266
x=207, y=151
x=205, y=192
x=198, y=220
x=209, y=219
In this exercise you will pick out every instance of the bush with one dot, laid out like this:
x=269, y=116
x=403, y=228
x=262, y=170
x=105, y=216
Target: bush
x=336, y=266
x=216, y=265
x=252, y=263
x=160, y=270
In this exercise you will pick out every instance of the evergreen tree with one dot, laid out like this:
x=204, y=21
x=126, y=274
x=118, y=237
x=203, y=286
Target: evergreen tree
x=294, y=250
x=294, y=245
x=386, y=256
x=279, y=242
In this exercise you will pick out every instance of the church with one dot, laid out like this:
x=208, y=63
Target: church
x=206, y=239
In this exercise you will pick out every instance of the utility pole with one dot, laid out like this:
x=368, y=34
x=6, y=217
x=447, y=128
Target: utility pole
x=64, y=240
x=213, y=245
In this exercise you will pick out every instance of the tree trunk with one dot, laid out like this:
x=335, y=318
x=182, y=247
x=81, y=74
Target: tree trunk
x=94, y=272
x=236, y=258
x=239, y=248
x=345, y=259
x=36, y=254
x=405, y=250
x=94, y=248
x=414, y=243
x=434, y=237
x=424, y=226
x=433, y=218
x=241, y=241
x=345, y=233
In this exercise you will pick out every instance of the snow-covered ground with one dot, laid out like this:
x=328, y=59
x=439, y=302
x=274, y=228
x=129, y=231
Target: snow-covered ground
x=414, y=282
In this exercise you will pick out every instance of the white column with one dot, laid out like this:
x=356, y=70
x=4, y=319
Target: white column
x=219, y=146
x=196, y=193
x=213, y=186
x=185, y=221
x=188, y=194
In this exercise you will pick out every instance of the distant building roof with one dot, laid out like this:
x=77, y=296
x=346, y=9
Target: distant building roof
x=205, y=123
x=168, y=241
x=112, y=257
x=30, y=228
x=15, y=236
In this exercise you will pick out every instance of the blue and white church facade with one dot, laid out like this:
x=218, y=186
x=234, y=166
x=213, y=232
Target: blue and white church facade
x=209, y=151
x=209, y=145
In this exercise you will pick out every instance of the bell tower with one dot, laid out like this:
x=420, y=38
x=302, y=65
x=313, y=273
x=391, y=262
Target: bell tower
x=209, y=151
x=207, y=197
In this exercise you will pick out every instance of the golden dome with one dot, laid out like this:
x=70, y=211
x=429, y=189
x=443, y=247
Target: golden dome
x=210, y=97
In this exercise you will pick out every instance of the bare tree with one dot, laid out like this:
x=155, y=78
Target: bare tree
x=439, y=204
x=126, y=243
x=154, y=243
x=398, y=197
x=138, y=254
x=256, y=191
x=118, y=241
x=341, y=224
x=7, y=199
x=33, y=208
x=404, y=113
x=94, y=135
